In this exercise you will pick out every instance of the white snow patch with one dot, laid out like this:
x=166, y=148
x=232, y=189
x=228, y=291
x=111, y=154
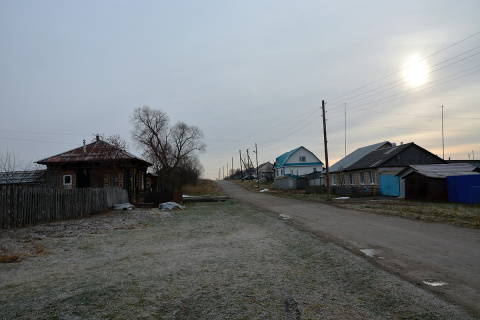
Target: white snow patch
x=123, y=206
x=285, y=216
x=341, y=198
x=369, y=252
x=170, y=206
x=435, y=283
x=264, y=190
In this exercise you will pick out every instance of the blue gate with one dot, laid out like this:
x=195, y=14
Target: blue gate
x=389, y=185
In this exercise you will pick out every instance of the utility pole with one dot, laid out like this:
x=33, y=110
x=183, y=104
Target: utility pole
x=443, y=139
x=223, y=173
x=233, y=172
x=258, y=178
x=248, y=165
x=327, y=174
x=227, y=169
x=241, y=171
x=345, y=129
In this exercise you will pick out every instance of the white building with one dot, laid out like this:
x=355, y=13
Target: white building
x=296, y=163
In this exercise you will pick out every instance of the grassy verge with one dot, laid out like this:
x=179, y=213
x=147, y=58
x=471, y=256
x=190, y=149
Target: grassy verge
x=203, y=187
x=454, y=213
x=211, y=261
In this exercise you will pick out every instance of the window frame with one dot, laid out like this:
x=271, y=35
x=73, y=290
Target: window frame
x=71, y=180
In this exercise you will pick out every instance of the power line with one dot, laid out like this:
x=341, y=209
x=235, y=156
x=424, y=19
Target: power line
x=395, y=72
x=396, y=94
x=398, y=85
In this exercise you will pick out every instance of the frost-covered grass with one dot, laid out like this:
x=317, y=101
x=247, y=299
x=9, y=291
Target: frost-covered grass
x=455, y=213
x=211, y=261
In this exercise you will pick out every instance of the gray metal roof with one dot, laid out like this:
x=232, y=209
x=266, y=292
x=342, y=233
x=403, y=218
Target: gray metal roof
x=440, y=170
x=22, y=177
x=357, y=155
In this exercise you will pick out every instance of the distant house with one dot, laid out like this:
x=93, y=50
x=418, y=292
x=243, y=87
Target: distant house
x=429, y=182
x=297, y=162
x=23, y=178
x=265, y=170
x=97, y=165
x=374, y=172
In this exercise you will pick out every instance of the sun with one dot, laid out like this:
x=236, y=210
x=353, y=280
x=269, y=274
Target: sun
x=415, y=72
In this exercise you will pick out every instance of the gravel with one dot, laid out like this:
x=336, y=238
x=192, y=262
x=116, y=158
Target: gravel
x=210, y=261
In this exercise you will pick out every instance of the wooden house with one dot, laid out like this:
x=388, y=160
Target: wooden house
x=97, y=165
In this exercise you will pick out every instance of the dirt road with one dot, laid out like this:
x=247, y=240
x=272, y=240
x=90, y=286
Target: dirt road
x=442, y=258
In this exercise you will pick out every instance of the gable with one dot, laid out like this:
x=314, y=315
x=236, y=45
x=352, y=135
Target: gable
x=397, y=156
x=300, y=157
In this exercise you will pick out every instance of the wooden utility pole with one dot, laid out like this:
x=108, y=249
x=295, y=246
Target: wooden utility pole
x=256, y=154
x=327, y=174
x=241, y=171
x=233, y=172
x=248, y=165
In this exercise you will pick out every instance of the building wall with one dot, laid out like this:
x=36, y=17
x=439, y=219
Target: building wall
x=343, y=178
x=419, y=187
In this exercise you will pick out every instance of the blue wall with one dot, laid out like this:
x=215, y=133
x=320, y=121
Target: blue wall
x=459, y=189
x=389, y=185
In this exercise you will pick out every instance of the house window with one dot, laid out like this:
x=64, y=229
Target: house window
x=362, y=178
x=314, y=169
x=350, y=176
x=67, y=180
x=114, y=180
x=342, y=179
x=334, y=181
x=371, y=178
x=302, y=159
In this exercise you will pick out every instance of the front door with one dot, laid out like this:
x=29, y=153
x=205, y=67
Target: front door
x=83, y=178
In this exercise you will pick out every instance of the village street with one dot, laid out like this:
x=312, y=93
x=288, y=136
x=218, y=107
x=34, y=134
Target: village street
x=438, y=257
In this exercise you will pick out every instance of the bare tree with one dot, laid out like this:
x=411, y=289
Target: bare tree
x=165, y=146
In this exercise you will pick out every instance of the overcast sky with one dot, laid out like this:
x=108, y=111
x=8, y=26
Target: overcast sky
x=245, y=72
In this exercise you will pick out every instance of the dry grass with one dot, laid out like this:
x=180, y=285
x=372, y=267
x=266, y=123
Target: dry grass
x=17, y=256
x=203, y=187
x=454, y=213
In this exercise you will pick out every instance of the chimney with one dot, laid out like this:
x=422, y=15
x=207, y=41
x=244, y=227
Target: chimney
x=84, y=147
x=98, y=137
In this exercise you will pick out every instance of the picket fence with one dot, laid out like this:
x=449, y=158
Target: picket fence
x=22, y=206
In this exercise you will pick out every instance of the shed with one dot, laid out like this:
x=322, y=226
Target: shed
x=429, y=182
x=290, y=182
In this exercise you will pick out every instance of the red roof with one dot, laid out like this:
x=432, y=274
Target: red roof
x=95, y=151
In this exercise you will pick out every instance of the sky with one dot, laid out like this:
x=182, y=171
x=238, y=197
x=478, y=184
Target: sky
x=245, y=72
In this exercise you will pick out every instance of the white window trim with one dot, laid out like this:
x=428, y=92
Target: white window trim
x=362, y=178
x=71, y=179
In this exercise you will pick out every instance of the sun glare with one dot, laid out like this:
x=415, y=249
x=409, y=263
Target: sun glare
x=415, y=73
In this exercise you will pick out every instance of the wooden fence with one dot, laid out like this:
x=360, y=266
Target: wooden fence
x=22, y=206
